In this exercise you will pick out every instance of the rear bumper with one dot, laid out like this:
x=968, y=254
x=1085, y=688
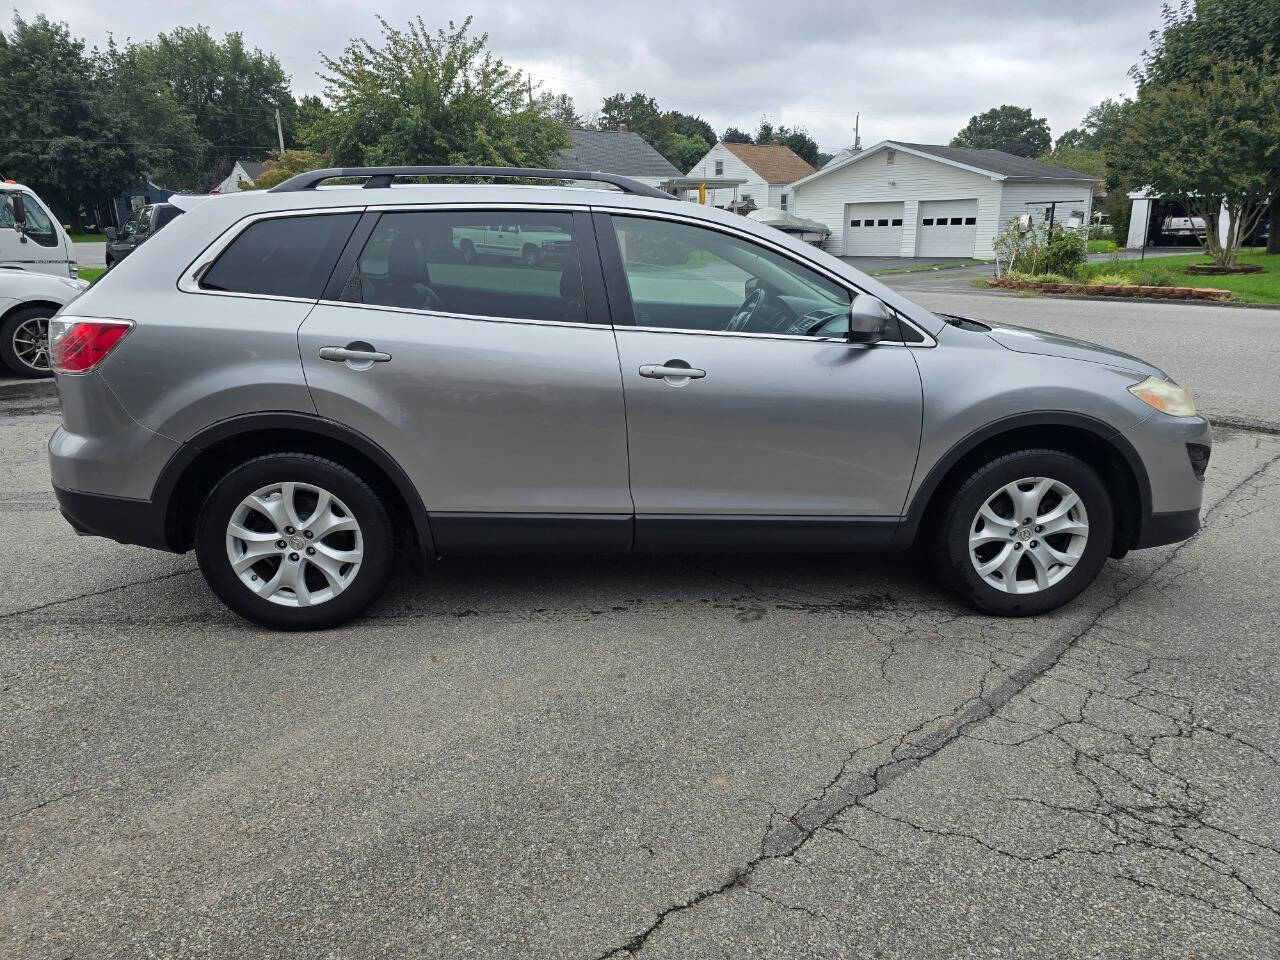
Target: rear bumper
x=117, y=518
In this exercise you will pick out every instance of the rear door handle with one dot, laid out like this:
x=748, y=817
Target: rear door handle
x=339, y=354
x=661, y=371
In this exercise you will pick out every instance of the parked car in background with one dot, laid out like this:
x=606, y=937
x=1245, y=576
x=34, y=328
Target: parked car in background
x=31, y=238
x=529, y=242
x=1183, y=227
x=143, y=224
x=304, y=381
x=27, y=301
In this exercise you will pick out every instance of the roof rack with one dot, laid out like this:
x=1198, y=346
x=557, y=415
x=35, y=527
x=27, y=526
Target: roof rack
x=379, y=177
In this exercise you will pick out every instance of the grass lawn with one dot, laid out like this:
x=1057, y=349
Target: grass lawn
x=1171, y=271
x=1102, y=246
x=88, y=238
x=91, y=273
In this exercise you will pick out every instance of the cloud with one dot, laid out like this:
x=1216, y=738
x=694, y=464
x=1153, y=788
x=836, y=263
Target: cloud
x=914, y=69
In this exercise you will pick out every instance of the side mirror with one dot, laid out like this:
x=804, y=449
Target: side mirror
x=19, y=211
x=867, y=318
x=111, y=233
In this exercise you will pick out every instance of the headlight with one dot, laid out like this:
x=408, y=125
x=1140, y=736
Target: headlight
x=1166, y=396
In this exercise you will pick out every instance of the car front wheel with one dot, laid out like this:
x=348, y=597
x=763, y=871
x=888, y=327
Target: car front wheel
x=1026, y=533
x=294, y=541
x=24, y=342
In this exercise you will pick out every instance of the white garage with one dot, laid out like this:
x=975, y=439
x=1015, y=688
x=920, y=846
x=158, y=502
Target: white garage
x=900, y=199
x=948, y=228
x=873, y=229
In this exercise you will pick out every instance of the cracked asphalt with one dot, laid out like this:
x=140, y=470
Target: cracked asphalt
x=668, y=757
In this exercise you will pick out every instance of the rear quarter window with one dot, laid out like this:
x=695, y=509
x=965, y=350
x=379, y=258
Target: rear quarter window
x=282, y=257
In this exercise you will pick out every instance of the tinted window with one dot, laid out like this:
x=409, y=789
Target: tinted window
x=282, y=257
x=897, y=221
x=884, y=223
x=956, y=221
x=927, y=221
x=855, y=223
x=523, y=267
x=970, y=221
x=691, y=278
x=38, y=225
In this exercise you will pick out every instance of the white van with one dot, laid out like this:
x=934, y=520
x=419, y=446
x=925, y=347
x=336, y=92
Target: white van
x=31, y=238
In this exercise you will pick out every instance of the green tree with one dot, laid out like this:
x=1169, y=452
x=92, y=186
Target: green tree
x=796, y=139
x=1196, y=35
x=64, y=135
x=688, y=125
x=1211, y=141
x=561, y=108
x=1008, y=128
x=734, y=135
x=432, y=98
x=282, y=166
x=229, y=92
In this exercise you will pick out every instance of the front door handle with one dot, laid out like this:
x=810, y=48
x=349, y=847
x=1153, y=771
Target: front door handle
x=339, y=354
x=673, y=369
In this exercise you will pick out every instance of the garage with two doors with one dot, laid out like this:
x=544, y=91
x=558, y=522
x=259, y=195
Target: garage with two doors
x=924, y=200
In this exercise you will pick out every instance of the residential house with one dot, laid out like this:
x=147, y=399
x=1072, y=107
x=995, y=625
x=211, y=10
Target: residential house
x=899, y=199
x=242, y=171
x=620, y=152
x=767, y=168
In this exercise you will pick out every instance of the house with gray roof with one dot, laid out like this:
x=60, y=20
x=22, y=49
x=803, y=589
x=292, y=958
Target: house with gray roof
x=899, y=199
x=616, y=151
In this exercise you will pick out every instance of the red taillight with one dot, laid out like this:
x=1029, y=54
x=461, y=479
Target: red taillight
x=77, y=345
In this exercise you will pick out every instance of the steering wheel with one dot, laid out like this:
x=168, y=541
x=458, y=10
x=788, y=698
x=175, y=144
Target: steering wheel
x=747, y=312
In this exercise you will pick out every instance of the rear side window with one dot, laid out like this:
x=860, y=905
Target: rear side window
x=282, y=257
x=518, y=265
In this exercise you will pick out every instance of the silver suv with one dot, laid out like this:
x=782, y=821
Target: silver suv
x=301, y=382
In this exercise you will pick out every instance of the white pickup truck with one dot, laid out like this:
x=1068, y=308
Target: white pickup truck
x=1183, y=226
x=528, y=243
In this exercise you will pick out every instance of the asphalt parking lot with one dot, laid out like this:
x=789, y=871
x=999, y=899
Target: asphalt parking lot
x=688, y=757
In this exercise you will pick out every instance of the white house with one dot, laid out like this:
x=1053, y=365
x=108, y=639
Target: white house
x=922, y=200
x=767, y=169
x=244, y=171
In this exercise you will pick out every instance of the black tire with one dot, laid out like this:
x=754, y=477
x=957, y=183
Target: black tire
x=16, y=323
x=362, y=503
x=468, y=251
x=951, y=544
x=531, y=255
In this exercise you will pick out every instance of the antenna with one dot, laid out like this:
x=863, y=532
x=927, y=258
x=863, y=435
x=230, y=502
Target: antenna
x=857, y=139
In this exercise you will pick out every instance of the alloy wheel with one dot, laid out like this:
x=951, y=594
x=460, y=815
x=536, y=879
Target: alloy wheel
x=1029, y=535
x=31, y=344
x=294, y=544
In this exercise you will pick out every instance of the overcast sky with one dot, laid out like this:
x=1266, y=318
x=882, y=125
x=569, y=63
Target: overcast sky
x=916, y=69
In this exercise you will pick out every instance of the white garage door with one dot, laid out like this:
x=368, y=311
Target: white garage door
x=873, y=229
x=948, y=228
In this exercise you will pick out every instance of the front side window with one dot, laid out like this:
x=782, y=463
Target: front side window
x=691, y=278
x=38, y=226
x=282, y=257
x=131, y=225
x=513, y=265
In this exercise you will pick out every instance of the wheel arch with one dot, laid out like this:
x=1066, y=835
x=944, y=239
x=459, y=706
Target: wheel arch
x=28, y=304
x=1093, y=441
x=198, y=464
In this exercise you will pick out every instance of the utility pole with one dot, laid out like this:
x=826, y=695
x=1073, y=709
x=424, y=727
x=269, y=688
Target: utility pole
x=528, y=79
x=279, y=130
x=857, y=139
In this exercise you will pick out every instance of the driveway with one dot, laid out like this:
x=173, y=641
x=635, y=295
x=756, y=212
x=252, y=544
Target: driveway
x=91, y=254
x=653, y=757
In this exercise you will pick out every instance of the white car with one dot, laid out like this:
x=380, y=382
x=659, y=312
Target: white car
x=528, y=242
x=27, y=301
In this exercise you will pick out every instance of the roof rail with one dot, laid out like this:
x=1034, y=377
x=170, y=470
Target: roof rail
x=378, y=177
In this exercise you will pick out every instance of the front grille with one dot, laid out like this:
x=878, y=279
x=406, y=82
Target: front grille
x=1198, y=454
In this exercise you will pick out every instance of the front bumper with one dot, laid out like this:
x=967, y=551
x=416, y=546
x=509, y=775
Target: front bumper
x=1161, y=528
x=1174, y=452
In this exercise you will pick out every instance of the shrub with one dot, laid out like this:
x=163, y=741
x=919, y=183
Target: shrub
x=1064, y=254
x=1101, y=231
x=1050, y=277
x=1111, y=280
x=1159, y=276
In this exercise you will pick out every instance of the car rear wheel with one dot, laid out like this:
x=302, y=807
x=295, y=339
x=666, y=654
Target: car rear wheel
x=293, y=541
x=1026, y=533
x=24, y=342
